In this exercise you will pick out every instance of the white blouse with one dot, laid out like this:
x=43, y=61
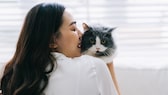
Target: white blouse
x=84, y=75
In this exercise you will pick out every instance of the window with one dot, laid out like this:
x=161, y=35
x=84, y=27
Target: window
x=141, y=32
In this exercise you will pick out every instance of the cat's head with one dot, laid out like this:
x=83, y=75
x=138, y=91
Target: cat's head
x=97, y=40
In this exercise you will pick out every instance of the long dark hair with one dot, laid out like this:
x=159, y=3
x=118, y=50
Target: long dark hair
x=28, y=71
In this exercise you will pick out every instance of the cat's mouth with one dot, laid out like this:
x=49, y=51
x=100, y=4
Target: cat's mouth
x=99, y=53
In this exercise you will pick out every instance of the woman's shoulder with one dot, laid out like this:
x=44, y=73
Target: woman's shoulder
x=94, y=60
x=88, y=57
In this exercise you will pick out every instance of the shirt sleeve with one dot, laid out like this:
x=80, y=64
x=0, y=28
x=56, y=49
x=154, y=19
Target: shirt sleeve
x=104, y=80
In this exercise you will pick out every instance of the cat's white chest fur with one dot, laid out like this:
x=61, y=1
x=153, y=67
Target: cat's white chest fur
x=107, y=59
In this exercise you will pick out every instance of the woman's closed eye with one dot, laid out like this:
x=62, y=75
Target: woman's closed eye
x=74, y=30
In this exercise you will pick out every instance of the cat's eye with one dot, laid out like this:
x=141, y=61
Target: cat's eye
x=91, y=41
x=103, y=41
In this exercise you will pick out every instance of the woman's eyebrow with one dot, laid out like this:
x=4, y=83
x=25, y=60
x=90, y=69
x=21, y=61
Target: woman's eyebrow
x=74, y=22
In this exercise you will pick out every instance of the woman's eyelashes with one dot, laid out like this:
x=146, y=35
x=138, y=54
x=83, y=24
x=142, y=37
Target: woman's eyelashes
x=74, y=30
x=73, y=27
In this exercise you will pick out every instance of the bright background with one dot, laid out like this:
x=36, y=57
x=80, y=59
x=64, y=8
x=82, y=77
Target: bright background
x=141, y=34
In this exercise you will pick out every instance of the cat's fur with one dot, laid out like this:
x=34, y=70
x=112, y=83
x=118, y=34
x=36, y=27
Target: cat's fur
x=97, y=41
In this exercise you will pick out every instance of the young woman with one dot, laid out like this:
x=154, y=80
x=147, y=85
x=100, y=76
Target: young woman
x=48, y=58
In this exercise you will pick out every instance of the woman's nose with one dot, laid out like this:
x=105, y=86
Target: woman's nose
x=79, y=33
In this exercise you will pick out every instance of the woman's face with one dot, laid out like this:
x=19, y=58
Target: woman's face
x=68, y=41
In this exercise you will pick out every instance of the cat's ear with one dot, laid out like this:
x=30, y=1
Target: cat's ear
x=85, y=27
x=111, y=29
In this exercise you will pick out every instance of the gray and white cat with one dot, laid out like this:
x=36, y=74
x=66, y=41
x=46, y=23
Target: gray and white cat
x=97, y=41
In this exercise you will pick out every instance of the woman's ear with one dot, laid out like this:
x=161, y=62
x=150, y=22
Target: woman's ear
x=53, y=45
x=85, y=27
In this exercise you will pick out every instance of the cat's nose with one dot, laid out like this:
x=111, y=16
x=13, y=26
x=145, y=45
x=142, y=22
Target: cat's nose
x=97, y=49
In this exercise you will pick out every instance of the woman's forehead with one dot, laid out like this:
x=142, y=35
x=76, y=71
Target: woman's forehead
x=67, y=18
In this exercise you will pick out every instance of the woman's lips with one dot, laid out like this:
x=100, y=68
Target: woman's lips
x=79, y=45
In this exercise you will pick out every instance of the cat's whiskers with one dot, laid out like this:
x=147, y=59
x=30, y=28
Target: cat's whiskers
x=106, y=53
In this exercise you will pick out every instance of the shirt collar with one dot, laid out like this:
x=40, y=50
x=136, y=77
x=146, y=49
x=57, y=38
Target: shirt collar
x=58, y=55
x=61, y=56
